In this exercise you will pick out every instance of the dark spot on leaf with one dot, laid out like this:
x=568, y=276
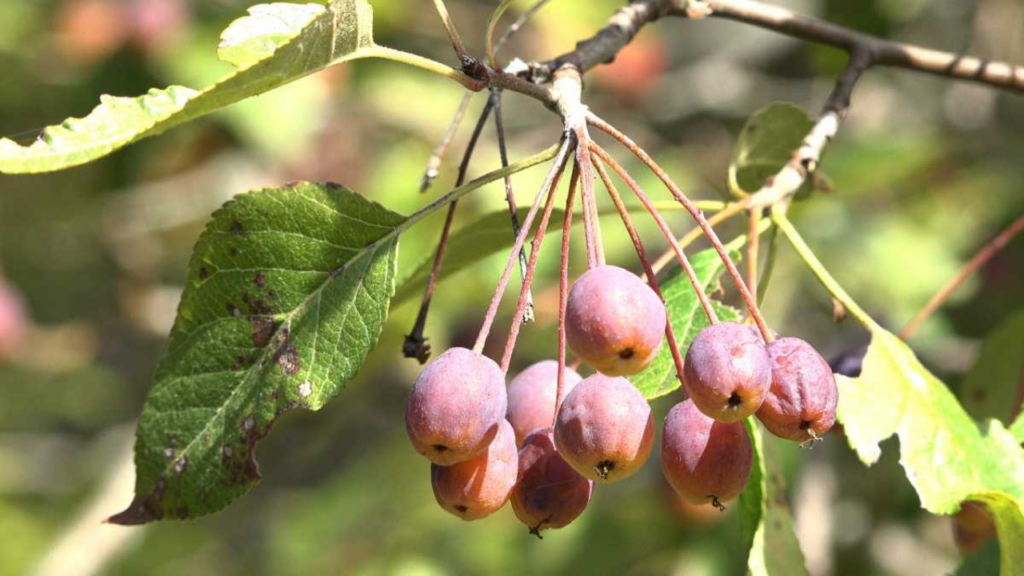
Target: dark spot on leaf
x=234, y=251
x=203, y=273
x=236, y=227
x=180, y=465
x=172, y=440
x=288, y=359
x=271, y=294
x=263, y=329
x=259, y=280
x=242, y=362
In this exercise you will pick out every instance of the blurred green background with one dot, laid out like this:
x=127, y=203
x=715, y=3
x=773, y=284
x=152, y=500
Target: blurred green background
x=925, y=171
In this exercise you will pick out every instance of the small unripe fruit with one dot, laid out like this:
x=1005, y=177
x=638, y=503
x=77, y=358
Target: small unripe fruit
x=456, y=407
x=549, y=493
x=531, y=397
x=480, y=486
x=614, y=321
x=604, y=428
x=704, y=460
x=801, y=402
x=727, y=372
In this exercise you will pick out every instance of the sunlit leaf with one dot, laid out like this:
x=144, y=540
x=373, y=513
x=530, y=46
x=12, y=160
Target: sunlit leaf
x=946, y=457
x=765, y=522
x=287, y=292
x=766, y=144
x=276, y=44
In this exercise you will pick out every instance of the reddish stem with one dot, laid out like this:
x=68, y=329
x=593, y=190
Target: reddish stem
x=591, y=226
x=641, y=253
x=524, y=294
x=550, y=180
x=984, y=255
x=697, y=215
x=683, y=260
x=563, y=295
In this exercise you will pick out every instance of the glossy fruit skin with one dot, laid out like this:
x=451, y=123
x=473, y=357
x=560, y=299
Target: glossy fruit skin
x=727, y=372
x=704, y=460
x=456, y=406
x=480, y=486
x=614, y=321
x=801, y=402
x=549, y=493
x=604, y=428
x=531, y=397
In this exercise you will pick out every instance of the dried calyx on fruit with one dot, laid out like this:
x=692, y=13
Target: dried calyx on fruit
x=704, y=460
x=549, y=493
x=614, y=321
x=456, y=406
x=727, y=372
x=480, y=486
x=531, y=397
x=801, y=402
x=604, y=428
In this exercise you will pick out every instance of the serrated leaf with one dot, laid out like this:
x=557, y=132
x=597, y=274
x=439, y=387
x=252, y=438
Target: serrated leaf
x=765, y=522
x=946, y=457
x=687, y=317
x=992, y=386
x=287, y=291
x=276, y=44
x=468, y=245
x=766, y=143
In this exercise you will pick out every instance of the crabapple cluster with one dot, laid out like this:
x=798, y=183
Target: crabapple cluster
x=543, y=445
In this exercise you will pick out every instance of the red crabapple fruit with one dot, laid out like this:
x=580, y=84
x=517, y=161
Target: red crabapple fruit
x=704, y=460
x=727, y=372
x=549, y=493
x=604, y=428
x=614, y=321
x=456, y=406
x=801, y=402
x=480, y=486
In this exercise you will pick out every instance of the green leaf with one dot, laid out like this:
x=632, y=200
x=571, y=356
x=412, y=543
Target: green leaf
x=287, y=291
x=982, y=562
x=687, y=317
x=276, y=44
x=765, y=522
x=766, y=143
x=946, y=457
x=992, y=387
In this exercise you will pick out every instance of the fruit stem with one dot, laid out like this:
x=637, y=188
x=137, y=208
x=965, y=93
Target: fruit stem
x=434, y=162
x=641, y=253
x=683, y=260
x=415, y=345
x=984, y=255
x=449, y=27
x=563, y=297
x=591, y=225
x=753, y=243
x=510, y=197
x=554, y=174
x=730, y=210
x=538, y=239
x=697, y=215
